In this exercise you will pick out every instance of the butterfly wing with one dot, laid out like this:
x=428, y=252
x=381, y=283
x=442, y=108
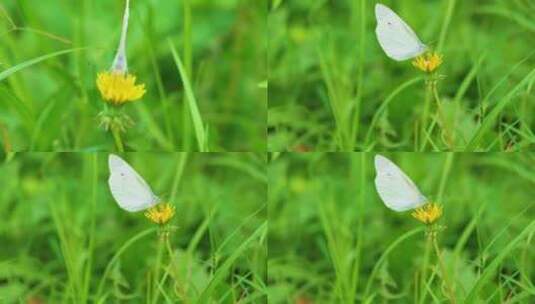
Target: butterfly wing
x=396, y=189
x=128, y=188
x=396, y=38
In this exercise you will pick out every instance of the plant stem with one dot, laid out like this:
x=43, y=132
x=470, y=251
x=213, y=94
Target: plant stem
x=441, y=117
x=425, y=114
x=425, y=266
x=158, y=266
x=117, y=137
x=449, y=287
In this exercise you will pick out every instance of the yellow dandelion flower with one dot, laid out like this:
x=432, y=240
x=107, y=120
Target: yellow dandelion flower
x=428, y=62
x=161, y=213
x=428, y=214
x=117, y=86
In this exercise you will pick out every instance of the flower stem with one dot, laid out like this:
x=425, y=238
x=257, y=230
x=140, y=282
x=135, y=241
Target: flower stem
x=442, y=118
x=157, y=267
x=447, y=282
x=425, y=114
x=117, y=137
x=423, y=278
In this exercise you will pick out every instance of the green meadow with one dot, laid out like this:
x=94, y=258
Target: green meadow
x=63, y=238
x=51, y=52
x=332, y=88
x=332, y=240
x=256, y=123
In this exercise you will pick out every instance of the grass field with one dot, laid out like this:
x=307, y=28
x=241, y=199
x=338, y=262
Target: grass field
x=49, y=100
x=257, y=84
x=63, y=239
x=332, y=88
x=332, y=240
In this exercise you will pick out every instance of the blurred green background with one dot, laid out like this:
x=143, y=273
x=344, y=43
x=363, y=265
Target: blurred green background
x=329, y=78
x=61, y=227
x=328, y=229
x=53, y=105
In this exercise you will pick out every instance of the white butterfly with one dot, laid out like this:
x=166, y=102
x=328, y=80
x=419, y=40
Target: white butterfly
x=128, y=188
x=396, y=189
x=120, y=63
x=396, y=38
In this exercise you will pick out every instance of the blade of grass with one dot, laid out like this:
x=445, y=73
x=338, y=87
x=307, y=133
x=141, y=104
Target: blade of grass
x=385, y=104
x=496, y=111
x=385, y=254
x=519, y=169
x=355, y=279
x=199, y=233
x=234, y=233
x=446, y=25
x=179, y=171
x=21, y=66
x=467, y=231
x=445, y=173
x=355, y=128
x=43, y=116
x=192, y=102
x=118, y=254
x=505, y=77
x=508, y=14
x=334, y=100
x=468, y=79
x=491, y=269
x=22, y=109
x=187, y=50
x=152, y=126
x=67, y=251
x=223, y=270
x=333, y=250
x=240, y=165
x=465, y=85
x=91, y=244
x=150, y=34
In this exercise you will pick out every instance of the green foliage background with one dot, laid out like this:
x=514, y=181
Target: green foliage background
x=63, y=239
x=329, y=78
x=61, y=228
x=329, y=228
x=53, y=105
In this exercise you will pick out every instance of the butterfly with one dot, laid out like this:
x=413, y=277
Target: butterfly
x=128, y=188
x=395, y=188
x=397, y=39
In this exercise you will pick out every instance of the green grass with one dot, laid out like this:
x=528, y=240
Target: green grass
x=48, y=96
x=332, y=240
x=297, y=228
x=332, y=88
x=65, y=240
